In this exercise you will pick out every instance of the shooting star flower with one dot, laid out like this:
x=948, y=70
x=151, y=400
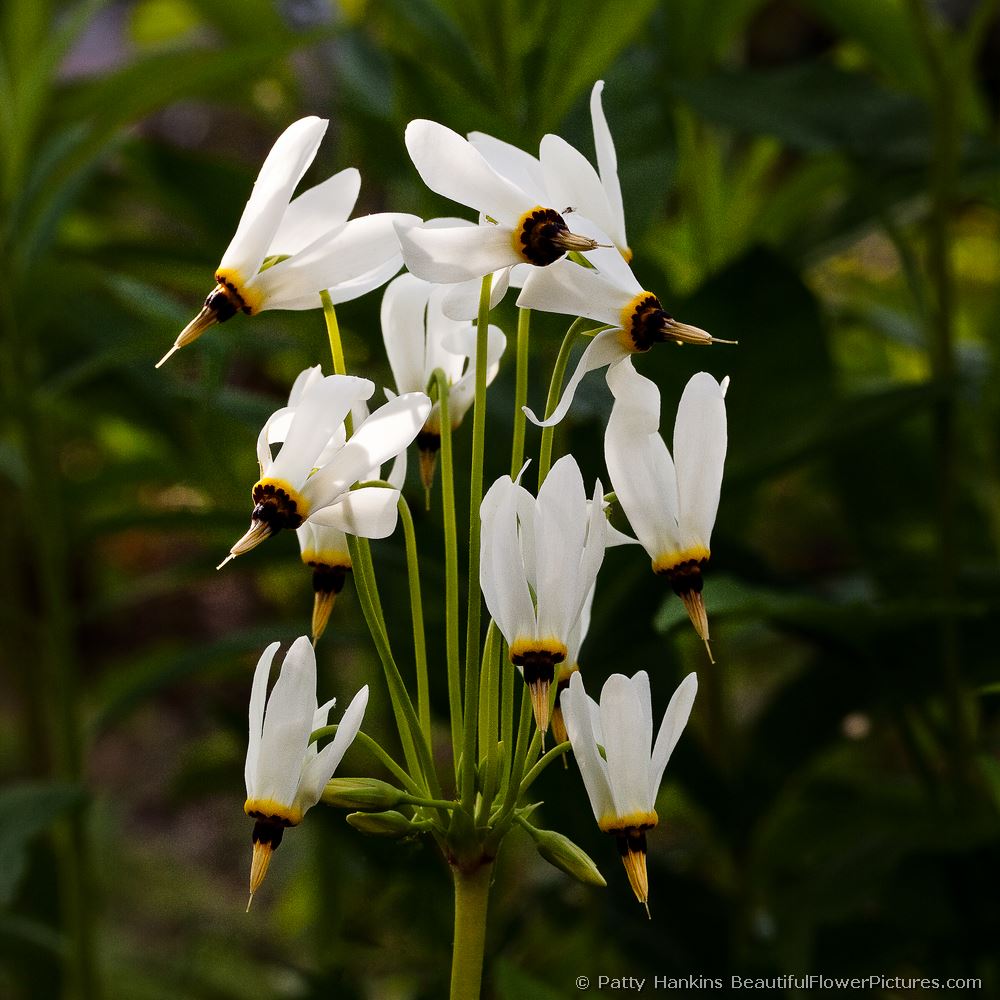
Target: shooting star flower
x=671, y=502
x=285, y=773
x=609, y=293
x=286, y=252
x=515, y=228
x=420, y=338
x=619, y=763
x=311, y=476
x=540, y=559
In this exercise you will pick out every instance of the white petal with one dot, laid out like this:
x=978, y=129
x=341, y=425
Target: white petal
x=315, y=212
x=607, y=165
x=387, y=432
x=320, y=769
x=574, y=184
x=573, y=290
x=699, y=454
x=360, y=247
x=674, y=720
x=463, y=392
x=314, y=537
x=403, y=317
x=287, y=725
x=447, y=339
x=515, y=164
x=606, y=259
x=579, y=631
x=452, y=167
x=593, y=552
x=318, y=415
x=560, y=532
x=462, y=299
x=446, y=256
x=368, y=512
x=578, y=713
x=258, y=697
x=288, y=160
x=502, y=575
x=628, y=737
x=604, y=349
x=304, y=379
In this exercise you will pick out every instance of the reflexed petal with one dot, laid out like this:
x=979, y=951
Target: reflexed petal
x=578, y=713
x=258, y=697
x=574, y=183
x=604, y=349
x=452, y=167
x=515, y=164
x=463, y=393
x=304, y=379
x=387, y=432
x=640, y=466
x=674, y=720
x=462, y=253
x=607, y=165
x=699, y=454
x=318, y=415
x=461, y=302
x=314, y=537
x=348, y=291
x=288, y=160
x=403, y=316
x=560, y=532
x=320, y=769
x=572, y=290
x=579, y=631
x=315, y=212
x=356, y=249
x=287, y=725
x=606, y=258
x=368, y=512
x=443, y=333
x=628, y=736
x=593, y=552
x=501, y=574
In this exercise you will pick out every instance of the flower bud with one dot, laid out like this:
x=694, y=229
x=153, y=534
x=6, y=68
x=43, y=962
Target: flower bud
x=563, y=854
x=382, y=824
x=362, y=793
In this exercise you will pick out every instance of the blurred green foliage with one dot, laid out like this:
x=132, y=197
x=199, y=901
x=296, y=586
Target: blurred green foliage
x=818, y=179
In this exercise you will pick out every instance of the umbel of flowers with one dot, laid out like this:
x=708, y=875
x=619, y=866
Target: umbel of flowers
x=537, y=537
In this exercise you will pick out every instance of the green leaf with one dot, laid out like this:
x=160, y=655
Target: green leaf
x=28, y=810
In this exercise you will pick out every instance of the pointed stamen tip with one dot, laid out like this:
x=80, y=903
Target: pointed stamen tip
x=249, y=903
x=645, y=902
x=166, y=357
x=708, y=649
x=229, y=558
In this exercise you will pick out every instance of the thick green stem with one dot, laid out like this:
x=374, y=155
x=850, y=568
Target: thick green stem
x=577, y=329
x=417, y=614
x=472, y=894
x=473, y=625
x=520, y=391
x=453, y=653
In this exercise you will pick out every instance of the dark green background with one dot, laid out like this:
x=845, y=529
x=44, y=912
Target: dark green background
x=815, y=178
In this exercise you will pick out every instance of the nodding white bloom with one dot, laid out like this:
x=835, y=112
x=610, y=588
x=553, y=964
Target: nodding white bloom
x=311, y=476
x=622, y=781
x=420, y=338
x=515, y=229
x=286, y=252
x=323, y=547
x=609, y=293
x=540, y=560
x=671, y=503
x=285, y=773
x=562, y=175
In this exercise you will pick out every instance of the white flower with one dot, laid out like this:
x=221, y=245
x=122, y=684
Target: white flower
x=514, y=229
x=286, y=252
x=285, y=773
x=420, y=338
x=311, y=476
x=671, y=503
x=623, y=781
x=609, y=293
x=540, y=559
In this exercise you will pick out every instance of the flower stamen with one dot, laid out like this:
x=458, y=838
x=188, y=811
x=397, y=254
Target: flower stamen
x=541, y=237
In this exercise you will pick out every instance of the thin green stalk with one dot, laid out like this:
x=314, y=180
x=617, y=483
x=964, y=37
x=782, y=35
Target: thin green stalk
x=417, y=614
x=472, y=633
x=333, y=333
x=576, y=329
x=520, y=391
x=516, y=769
x=543, y=762
x=472, y=894
x=415, y=748
x=377, y=751
x=453, y=654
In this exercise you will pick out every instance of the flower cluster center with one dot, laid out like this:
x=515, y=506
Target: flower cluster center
x=644, y=320
x=277, y=505
x=540, y=236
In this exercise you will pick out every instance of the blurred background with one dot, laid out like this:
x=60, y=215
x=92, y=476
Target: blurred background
x=818, y=179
